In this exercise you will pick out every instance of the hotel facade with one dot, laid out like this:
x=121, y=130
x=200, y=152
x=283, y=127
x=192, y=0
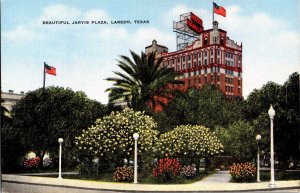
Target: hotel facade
x=203, y=57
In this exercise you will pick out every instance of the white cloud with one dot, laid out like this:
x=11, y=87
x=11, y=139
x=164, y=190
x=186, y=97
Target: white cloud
x=20, y=33
x=60, y=12
x=98, y=14
x=144, y=36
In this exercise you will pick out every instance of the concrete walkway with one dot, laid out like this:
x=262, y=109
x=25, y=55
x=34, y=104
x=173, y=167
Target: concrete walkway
x=218, y=177
x=130, y=187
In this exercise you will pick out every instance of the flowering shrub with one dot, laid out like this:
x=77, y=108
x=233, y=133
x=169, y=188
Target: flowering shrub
x=112, y=134
x=123, y=174
x=167, y=169
x=189, y=141
x=188, y=171
x=243, y=172
x=32, y=163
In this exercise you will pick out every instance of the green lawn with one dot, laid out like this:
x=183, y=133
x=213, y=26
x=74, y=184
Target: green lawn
x=144, y=179
x=281, y=175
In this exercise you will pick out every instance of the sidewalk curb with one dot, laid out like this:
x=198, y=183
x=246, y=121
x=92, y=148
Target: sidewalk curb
x=158, y=191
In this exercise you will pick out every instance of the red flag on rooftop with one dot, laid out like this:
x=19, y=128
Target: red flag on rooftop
x=50, y=70
x=219, y=10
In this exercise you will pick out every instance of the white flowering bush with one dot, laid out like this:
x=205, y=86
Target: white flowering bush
x=113, y=135
x=193, y=141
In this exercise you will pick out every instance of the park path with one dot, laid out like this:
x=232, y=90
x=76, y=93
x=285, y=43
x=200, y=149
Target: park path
x=218, y=177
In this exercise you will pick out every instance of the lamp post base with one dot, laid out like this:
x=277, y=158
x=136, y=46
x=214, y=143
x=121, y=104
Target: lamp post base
x=272, y=185
x=60, y=177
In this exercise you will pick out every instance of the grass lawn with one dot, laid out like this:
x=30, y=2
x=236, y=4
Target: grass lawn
x=144, y=179
x=280, y=175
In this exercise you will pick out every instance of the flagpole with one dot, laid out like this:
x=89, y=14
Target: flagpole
x=213, y=13
x=44, y=76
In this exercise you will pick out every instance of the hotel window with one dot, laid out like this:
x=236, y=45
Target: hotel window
x=211, y=52
x=195, y=56
x=178, y=67
x=222, y=41
x=218, y=60
x=183, y=58
x=239, y=82
x=205, y=70
x=211, y=60
x=195, y=64
x=183, y=67
x=218, y=77
x=195, y=73
x=219, y=69
x=199, y=55
x=178, y=59
x=189, y=57
x=205, y=61
x=173, y=61
x=189, y=74
x=218, y=52
x=199, y=71
x=205, y=53
x=199, y=62
x=205, y=41
x=189, y=65
x=239, y=74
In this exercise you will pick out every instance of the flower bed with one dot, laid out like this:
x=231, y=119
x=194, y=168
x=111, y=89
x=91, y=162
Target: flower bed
x=243, y=172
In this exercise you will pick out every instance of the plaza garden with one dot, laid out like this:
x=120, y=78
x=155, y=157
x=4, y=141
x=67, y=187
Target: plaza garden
x=195, y=133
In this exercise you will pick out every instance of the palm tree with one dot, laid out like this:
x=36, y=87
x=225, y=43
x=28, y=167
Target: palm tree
x=144, y=83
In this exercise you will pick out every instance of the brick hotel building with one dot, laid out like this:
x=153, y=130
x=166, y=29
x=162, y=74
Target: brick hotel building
x=210, y=58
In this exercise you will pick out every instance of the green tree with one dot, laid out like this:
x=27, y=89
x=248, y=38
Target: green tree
x=191, y=142
x=43, y=116
x=11, y=148
x=111, y=138
x=285, y=100
x=239, y=140
x=143, y=83
x=207, y=106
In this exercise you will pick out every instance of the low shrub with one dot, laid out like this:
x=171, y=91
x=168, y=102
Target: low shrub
x=243, y=172
x=123, y=174
x=32, y=163
x=188, y=171
x=167, y=169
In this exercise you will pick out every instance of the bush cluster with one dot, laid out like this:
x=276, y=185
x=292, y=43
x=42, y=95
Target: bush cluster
x=188, y=171
x=32, y=163
x=123, y=174
x=167, y=169
x=243, y=172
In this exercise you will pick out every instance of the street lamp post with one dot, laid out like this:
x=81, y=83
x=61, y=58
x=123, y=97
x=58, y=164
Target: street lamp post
x=135, y=137
x=258, y=138
x=272, y=183
x=60, y=141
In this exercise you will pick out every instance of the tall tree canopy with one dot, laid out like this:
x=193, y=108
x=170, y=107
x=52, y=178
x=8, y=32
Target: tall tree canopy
x=143, y=82
x=43, y=116
x=285, y=100
x=207, y=106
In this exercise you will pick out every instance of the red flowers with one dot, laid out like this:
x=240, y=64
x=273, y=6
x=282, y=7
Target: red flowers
x=243, y=172
x=32, y=163
x=167, y=169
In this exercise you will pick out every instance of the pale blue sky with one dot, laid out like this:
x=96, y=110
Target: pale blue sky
x=84, y=55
